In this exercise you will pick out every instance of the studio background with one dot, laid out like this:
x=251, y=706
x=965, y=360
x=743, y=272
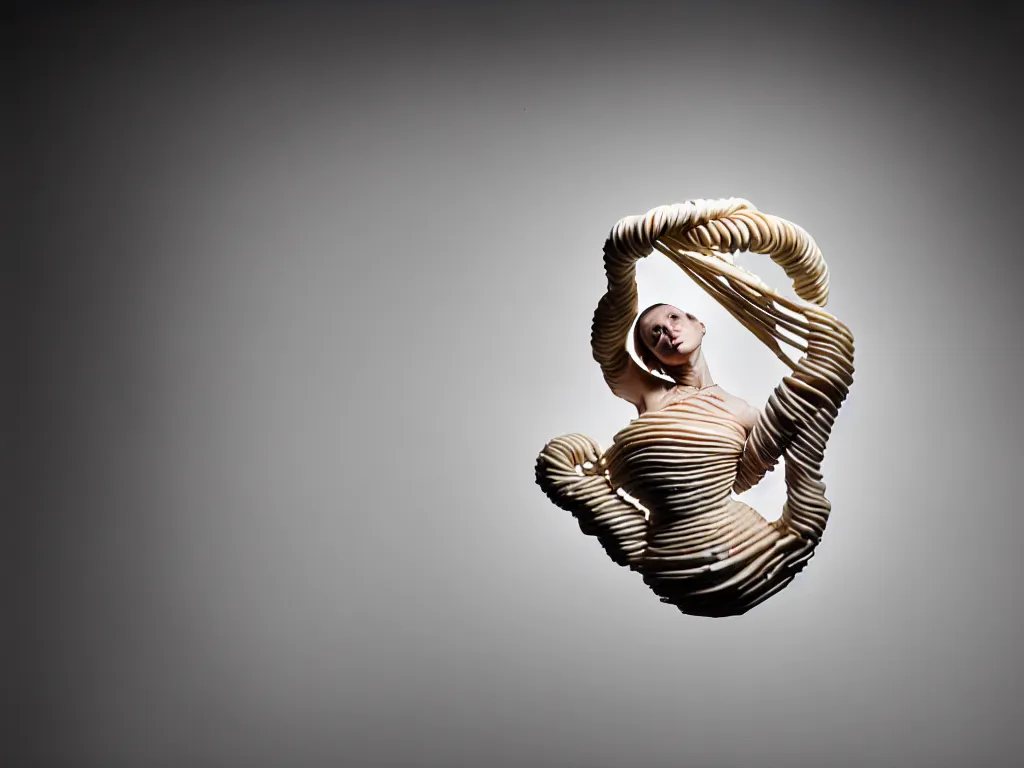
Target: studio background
x=299, y=295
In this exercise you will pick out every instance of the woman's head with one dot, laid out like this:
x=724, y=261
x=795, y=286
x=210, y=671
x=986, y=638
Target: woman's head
x=665, y=335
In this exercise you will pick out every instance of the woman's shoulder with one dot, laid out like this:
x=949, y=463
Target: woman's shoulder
x=657, y=396
x=744, y=412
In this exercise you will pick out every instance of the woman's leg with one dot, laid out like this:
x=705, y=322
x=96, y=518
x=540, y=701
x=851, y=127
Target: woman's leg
x=568, y=471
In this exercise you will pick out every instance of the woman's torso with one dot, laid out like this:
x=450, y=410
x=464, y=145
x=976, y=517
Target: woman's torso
x=681, y=459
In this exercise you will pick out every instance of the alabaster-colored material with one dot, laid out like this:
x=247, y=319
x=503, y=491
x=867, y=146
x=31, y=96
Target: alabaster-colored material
x=697, y=547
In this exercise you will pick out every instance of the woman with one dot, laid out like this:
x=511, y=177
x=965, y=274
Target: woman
x=668, y=341
x=693, y=444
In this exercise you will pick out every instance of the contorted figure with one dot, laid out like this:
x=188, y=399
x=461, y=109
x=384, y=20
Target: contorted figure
x=693, y=445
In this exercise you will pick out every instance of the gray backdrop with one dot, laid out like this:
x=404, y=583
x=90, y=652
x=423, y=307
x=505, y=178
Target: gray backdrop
x=301, y=294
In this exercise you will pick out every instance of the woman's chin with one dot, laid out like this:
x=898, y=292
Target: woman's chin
x=681, y=357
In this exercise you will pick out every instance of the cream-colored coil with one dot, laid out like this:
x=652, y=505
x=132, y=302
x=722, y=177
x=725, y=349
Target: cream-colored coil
x=568, y=470
x=702, y=550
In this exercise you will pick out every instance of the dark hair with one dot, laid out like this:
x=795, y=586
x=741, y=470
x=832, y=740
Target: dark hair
x=643, y=351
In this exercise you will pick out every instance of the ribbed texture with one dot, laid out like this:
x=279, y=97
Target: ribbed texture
x=701, y=550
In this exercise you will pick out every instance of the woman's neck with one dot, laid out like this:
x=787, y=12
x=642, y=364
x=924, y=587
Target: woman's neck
x=694, y=372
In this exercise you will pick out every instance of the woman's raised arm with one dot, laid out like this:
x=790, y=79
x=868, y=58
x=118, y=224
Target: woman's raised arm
x=796, y=423
x=613, y=319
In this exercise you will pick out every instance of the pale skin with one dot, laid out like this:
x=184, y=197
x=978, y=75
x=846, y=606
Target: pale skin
x=675, y=338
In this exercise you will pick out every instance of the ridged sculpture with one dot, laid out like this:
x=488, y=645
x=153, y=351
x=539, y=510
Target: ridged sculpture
x=693, y=445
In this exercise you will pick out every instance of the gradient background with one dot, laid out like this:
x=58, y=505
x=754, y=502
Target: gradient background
x=298, y=295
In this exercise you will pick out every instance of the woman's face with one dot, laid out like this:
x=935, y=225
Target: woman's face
x=672, y=335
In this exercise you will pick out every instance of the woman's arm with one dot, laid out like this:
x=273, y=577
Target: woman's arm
x=796, y=423
x=612, y=322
